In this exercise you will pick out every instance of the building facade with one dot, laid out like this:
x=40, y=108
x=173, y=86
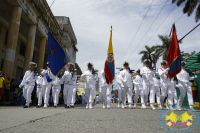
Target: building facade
x=23, y=35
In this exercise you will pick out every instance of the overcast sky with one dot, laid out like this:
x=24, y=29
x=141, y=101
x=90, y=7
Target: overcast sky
x=92, y=19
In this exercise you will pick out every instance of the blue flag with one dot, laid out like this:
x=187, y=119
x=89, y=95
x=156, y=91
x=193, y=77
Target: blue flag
x=56, y=56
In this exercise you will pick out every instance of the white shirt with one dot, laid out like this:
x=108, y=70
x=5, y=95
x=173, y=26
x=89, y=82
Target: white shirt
x=103, y=80
x=184, y=78
x=39, y=81
x=163, y=77
x=56, y=81
x=90, y=79
x=29, y=78
x=68, y=79
x=156, y=82
x=45, y=82
x=126, y=78
x=137, y=82
x=147, y=76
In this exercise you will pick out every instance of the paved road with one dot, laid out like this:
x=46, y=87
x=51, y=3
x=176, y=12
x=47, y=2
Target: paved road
x=81, y=120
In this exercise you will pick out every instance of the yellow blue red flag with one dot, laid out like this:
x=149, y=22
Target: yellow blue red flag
x=109, y=67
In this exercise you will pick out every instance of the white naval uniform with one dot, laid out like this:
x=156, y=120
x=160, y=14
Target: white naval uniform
x=89, y=86
x=157, y=89
x=28, y=84
x=127, y=86
x=148, y=85
x=46, y=86
x=56, y=88
x=166, y=87
x=75, y=87
x=185, y=85
x=105, y=90
x=174, y=92
x=119, y=84
x=69, y=83
x=138, y=88
x=39, y=82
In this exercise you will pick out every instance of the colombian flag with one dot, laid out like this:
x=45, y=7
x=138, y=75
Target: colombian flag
x=174, y=55
x=109, y=67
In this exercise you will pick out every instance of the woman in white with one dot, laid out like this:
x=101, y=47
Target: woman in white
x=39, y=82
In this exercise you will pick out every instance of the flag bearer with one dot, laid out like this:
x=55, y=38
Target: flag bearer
x=166, y=85
x=119, y=83
x=69, y=79
x=39, y=82
x=137, y=87
x=184, y=85
x=156, y=80
x=127, y=86
x=28, y=83
x=148, y=84
x=90, y=82
x=105, y=91
x=47, y=84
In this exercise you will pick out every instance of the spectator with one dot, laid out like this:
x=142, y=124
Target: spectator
x=1, y=84
x=20, y=98
x=12, y=88
x=83, y=98
x=6, y=89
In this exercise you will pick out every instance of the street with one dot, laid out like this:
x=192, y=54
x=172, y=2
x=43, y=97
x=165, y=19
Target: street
x=96, y=120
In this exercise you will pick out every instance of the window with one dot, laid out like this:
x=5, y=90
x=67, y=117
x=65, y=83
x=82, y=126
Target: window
x=22, y=49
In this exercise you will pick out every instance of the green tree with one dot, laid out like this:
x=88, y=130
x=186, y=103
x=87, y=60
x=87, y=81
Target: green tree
x=190, y=6
x=184, y=56
x=146, y=54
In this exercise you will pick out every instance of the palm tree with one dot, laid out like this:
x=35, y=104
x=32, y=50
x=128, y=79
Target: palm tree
x=146, y=54
x=184, y=55
x=190, y=6
x=162, y=50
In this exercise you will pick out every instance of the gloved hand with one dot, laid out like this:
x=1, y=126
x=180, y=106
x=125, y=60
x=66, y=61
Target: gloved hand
x=195, y=76
x=168, y=69
x=20, y=86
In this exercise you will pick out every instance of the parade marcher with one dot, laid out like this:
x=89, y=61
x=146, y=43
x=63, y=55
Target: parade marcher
x=83, y=98
x=39, y=82
x=166, y=85
x=56, y=87
x=185, y=85
x=105, y=91
x=69, y=79
x=91, y=78
x=148, y=84
x=28, y=83
x=76, y=83
x=47, y=84
x=119, y=84
x=156, y=80
x=127, y=86
x=137, y=87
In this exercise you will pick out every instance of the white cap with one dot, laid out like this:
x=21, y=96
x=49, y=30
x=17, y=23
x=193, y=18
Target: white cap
x=70, y=63
x=47, y=63
x=89, y=64
x=32, y=63
x=183, y=62
x=125, y=63
x=146, y=60
x=164, y=61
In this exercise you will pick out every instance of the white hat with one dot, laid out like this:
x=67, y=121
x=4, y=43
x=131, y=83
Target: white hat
x=89, y=64
x=146, y=60
x=125, y=63
x=32, y=63
x=47, y=63
x=183, y=62
x=164, y=61
x=70, y=63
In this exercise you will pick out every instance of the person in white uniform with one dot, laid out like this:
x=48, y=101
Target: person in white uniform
x=119, y=84
x=56, y=88
x=76, y=83
x=127, y=87
x=47, y=84
x=69, y=79
x=156, y=80
x=39, y=82
x=28, y=83
x=185, y=85
x=137, y=87
x=105, y=91
x=91, y=78
x=148, y=84
x=166, y=86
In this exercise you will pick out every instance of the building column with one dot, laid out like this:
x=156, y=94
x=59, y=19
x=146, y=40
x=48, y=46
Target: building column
x=12, y=39
x=41, y=53
x=29, y=47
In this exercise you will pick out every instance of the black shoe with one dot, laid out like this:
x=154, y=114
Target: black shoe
x=65, y=105
x=71, y=106
x=26, y=106
x=55, y=106
x=38, y=106
x=68, y=107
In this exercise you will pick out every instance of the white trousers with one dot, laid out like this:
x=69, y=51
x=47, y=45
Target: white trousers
x=106, y=94
x=46, y=90
x=137, y=92
x=27, y=90
x=89, y=95
x=128, y=91
x=175, y=97
x=55, y=94
x=67, y=93
x=183, y=89
x=167, y=90
x=145, y=93
x=73, y=95
x=157, y=93
x=39, y=95
x=119, y=93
